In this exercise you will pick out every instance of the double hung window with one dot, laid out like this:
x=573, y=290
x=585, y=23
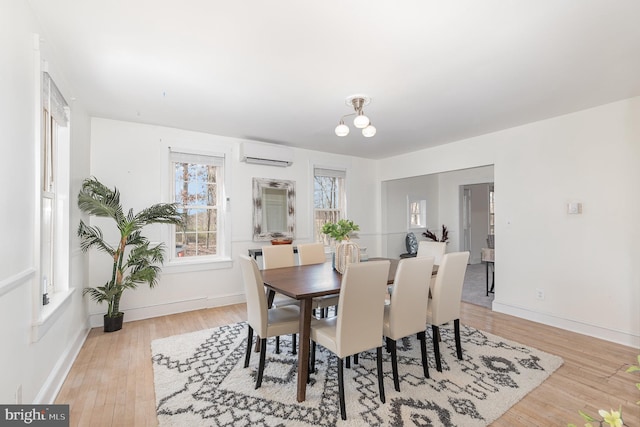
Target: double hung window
x=54, y=189
x=329, y=199
x=198, y=189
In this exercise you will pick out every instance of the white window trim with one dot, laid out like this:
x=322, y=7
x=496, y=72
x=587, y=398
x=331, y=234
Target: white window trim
x=423, y=212
x=45, y=316
x=312, y=168
x=193, y=264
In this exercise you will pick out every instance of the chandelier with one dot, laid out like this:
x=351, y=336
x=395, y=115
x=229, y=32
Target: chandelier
x=360, y=121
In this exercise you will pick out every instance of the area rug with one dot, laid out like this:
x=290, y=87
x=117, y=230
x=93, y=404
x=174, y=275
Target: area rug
x=200, y=381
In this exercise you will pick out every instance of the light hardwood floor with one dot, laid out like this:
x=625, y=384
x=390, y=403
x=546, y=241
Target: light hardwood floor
x=111, y=382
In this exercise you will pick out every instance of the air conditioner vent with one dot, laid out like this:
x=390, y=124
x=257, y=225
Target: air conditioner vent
x=266, y=154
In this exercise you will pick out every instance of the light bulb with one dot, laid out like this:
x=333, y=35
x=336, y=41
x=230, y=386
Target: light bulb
x=361, y=121
x=369, y=131
x=342, y=129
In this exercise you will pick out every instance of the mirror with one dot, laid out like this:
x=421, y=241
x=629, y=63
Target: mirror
x=273, y=209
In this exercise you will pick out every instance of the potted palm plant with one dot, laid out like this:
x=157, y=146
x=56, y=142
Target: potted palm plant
x=134, y=259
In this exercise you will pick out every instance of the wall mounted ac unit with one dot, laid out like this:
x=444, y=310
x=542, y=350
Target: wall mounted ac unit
x=266, y=154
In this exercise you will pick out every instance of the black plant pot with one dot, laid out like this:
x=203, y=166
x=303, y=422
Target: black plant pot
x=112, y=324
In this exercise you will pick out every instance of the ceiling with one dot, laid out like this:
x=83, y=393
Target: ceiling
x=279, y=71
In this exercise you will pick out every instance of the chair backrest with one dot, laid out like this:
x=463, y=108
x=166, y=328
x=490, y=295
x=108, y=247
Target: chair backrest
x=361, y=308
x=277, y=256
x=410, y=295
x=447, y=289
x=256, y=297
x=311, y=253
x=434, y=249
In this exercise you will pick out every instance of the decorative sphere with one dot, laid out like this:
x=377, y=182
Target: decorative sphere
x=369, y=131
x=361, y=122
x=342, y=130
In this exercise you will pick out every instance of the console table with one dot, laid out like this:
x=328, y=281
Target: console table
x=488, y=257
x=255, y=253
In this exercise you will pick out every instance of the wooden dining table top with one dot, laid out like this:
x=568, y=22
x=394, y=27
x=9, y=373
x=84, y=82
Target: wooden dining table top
x=311, y=281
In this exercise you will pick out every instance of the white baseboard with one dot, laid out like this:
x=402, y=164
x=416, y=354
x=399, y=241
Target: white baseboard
x=58, y=374
x=174, y=307
x=570, y=325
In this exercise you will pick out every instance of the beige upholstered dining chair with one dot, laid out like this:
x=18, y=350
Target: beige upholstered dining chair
x=313, y=253
x=434, y=249
x=410, y=296
x=266, y=322
x=445, y=300
x=358, y=324
x=278, y=256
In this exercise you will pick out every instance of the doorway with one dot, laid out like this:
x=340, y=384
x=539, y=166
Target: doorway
x=476, y=225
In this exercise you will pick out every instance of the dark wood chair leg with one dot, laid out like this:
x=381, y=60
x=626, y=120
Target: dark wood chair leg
x=348, y=363
x=456, y=328
x=423, y=349
x=247, y=356
x=355, y=359
x=343, y=410
x=391, y=344
x=263, y=354
x=436, y=347
x=294, y=344
x=380, y=374
x=277, y=345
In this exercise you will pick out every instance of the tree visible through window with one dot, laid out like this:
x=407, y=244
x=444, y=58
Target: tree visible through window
x=198, y=191
x=329, y=199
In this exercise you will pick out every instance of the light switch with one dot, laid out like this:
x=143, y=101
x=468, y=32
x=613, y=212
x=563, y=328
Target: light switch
x=574, y=208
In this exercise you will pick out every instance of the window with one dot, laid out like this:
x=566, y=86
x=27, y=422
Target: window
x=417, y=212
x=54, y=191
x=329, y=199
x=198, y=187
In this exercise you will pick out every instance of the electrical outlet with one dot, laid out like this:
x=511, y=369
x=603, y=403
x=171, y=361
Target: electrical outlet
x=19, y=395
x=540, y=294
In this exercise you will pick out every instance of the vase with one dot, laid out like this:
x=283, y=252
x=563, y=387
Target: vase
x=347, y=252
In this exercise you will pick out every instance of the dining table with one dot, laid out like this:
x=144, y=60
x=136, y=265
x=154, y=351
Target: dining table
x=304, y=283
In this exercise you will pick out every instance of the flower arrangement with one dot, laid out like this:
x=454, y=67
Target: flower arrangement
x=445, y=235
x=611, y=418
x=340, y=230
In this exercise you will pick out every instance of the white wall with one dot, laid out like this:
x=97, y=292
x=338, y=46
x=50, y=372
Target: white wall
x=442, y=192
x=140, y=175
x=586, y=264
x=395, y=210
x=37, y=367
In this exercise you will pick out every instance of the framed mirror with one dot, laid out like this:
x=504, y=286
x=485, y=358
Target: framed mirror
x=274, y=204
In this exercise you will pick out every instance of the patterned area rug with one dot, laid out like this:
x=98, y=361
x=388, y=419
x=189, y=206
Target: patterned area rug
x=199, y=381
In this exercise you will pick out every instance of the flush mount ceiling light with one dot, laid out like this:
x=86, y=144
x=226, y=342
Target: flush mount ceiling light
x=361, y=121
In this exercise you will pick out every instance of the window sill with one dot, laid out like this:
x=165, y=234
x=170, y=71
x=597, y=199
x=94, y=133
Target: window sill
x=50, y=313
x=188, y=266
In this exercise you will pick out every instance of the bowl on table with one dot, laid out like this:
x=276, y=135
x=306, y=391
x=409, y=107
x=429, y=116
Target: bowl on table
x=281, y=241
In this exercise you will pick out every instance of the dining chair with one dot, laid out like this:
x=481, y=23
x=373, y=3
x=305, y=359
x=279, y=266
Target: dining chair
x=434, y=249
x=266, y=322
x=446, y=299
x=278, y=256
x=357, y=326
x=313, y=253
x=410, y=296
